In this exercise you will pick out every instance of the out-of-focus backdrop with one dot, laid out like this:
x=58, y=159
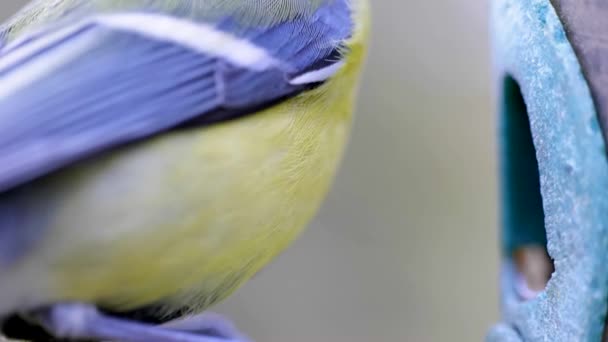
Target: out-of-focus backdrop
x=405, y=247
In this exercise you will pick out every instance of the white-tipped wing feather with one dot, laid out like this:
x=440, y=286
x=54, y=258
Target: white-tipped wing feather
x=70, y=91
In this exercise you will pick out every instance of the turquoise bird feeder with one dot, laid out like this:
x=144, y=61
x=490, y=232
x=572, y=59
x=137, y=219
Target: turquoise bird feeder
x=551, y=77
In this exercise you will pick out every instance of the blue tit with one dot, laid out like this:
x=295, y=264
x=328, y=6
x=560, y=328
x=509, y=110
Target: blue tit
x=157, y=154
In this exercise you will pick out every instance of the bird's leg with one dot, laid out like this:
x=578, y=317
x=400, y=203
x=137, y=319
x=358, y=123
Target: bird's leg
x=75, y=321
x=208, y=324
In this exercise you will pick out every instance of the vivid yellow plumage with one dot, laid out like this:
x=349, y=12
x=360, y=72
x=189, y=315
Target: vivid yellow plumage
x=214, y=205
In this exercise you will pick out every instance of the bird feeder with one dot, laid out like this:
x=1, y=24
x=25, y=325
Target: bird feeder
x=551, y=79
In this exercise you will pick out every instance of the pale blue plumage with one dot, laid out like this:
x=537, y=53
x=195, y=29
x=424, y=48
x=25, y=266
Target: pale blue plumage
x=123, y=86
x=307, y=44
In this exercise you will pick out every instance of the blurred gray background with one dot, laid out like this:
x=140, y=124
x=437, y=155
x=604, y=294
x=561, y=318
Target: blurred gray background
x=405, y=247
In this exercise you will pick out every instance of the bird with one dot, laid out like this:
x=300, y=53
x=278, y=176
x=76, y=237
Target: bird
x=155, y=155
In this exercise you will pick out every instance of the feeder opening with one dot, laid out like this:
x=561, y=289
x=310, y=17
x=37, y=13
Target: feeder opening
x=524, y=235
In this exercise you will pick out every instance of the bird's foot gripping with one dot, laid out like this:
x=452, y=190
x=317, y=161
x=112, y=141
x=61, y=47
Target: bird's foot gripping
x=75, y=321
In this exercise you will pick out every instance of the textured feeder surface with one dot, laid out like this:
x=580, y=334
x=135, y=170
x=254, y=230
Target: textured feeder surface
x=531, y=46
x=586, y=24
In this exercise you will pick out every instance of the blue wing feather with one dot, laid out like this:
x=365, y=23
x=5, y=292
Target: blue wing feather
x=125, y=86
x=131, y=88
x=310, y=38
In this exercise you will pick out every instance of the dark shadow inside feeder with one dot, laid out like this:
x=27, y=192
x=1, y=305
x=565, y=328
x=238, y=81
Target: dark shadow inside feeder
x=524, y=235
